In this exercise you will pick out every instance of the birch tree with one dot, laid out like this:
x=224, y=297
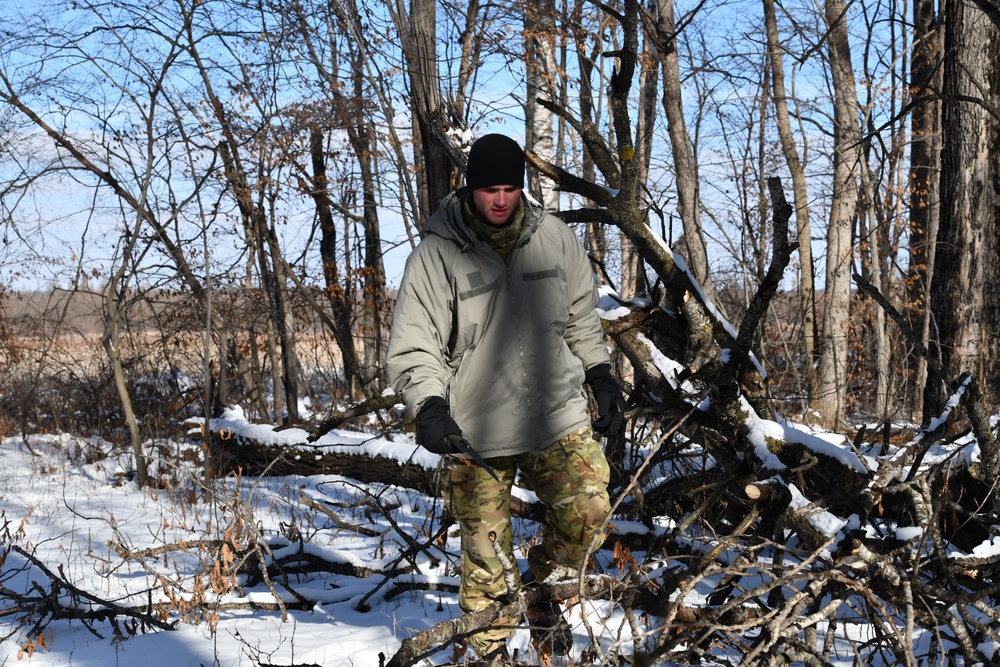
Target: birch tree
x=542, y=76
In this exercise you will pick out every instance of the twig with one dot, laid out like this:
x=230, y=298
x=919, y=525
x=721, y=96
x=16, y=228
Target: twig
x=144, y=616
x=509, y=573
x=340, y=523
x=406, y=555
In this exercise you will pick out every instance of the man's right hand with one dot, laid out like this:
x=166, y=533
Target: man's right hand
x=434, y=425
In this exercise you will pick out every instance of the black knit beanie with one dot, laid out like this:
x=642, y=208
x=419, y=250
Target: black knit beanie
x=495, y=160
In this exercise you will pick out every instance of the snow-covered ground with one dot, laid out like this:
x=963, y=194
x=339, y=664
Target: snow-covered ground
x=67, y=504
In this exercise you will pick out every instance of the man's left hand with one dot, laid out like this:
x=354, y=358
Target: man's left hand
x=610, y=403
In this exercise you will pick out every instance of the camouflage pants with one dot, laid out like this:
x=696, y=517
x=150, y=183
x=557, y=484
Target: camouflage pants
x=570, y=477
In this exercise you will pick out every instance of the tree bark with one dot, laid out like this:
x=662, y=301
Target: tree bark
x=633, y=269
x=964, y=297
x=109, y=340
x=542, y=72
x=595, y=238
x=418, y=33
x=925, y=181
x=832, y=380
x=374, y=305
x=285, y=325
x=336, y=290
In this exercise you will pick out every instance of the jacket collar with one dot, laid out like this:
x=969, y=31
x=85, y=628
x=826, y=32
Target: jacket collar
x=447, y=221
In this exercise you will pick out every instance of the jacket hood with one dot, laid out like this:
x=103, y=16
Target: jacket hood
x=447, y=222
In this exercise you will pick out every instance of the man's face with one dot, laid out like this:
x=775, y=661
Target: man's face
x=496, y=203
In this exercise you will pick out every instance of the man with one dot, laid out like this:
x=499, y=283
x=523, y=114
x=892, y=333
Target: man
x=493, y=336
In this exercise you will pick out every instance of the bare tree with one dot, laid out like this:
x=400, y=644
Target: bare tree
x=417, y=29
x=832, y=378
x=964, y=301
x=807, y=291
x=147, y=228
x=685, y=161
x=254, y=202
x=586, y=51
x=925, y=180
x=633, y=281
x=542, y=76
x=348, y=109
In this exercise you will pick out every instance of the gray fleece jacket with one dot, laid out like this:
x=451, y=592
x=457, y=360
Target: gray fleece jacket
x=507, y=344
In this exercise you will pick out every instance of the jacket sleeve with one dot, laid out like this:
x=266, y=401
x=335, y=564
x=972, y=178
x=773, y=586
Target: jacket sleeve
x=421, y=323
x=584, y=332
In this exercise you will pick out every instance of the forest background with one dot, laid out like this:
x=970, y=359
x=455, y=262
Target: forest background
x=207, y=204
x=227, y=182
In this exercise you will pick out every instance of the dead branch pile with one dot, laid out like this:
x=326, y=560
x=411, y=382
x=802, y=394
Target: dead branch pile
x=782, y=547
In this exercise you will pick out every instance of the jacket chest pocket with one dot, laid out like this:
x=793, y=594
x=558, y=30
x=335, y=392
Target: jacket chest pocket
x=546, y=294
x=475, y=306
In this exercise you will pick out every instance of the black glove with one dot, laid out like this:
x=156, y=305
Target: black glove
x=610, y=403
x=434, y=425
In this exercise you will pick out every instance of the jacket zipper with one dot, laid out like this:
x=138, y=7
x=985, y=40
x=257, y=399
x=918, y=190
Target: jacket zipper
x=522, y=362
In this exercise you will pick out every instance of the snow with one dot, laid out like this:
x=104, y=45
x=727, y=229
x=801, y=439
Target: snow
x=73, y=503
x=989, y=648
x=402, y=448
x=68, y=502
x=937, y=453
x=953, y=402
x=71, y=500
x=823, y=521
x=760, y=430
x=833, y=445
x=669, y=369
x=987, y=549
x=907, y=533
x=71, y=510
x=609, y=306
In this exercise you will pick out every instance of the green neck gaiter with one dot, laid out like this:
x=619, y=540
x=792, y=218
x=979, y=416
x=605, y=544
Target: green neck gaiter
x=502, y=239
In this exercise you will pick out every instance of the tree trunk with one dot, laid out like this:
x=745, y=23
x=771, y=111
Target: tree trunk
x=869, y=224
x=274, y=358
x=256, y=361
x=336, y=292
x=110, y=342
x=542, y=71
x=285, y=325
x=925, y=181
x=595, y=238
x=832, y=381
x=964, y=298
x=685, y=163
x=434, y=167
x=633, y=270
x=807, y=291
x=374, y=306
